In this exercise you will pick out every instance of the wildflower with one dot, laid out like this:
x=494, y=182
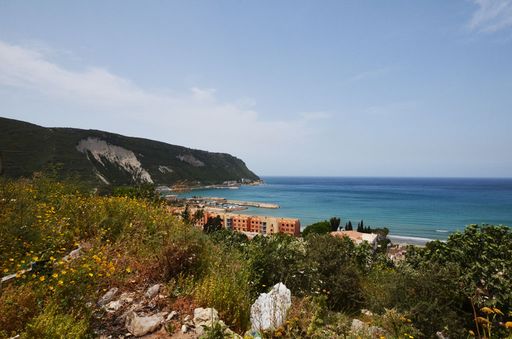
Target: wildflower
x=487, y=310
x=11, y=259
x=91, y=275
x=508, y=324
x=60, y=283
x=482, y=320
x=6, y=270
x=471, y=333
x=41, y=278
x=55, y=275
x=129, y=270
x=497, y=311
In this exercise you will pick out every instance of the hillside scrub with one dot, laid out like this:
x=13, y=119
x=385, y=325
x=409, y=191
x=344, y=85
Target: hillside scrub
x=123, y=241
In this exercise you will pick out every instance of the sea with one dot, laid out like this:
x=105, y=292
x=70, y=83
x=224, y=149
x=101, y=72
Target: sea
x=416, y=210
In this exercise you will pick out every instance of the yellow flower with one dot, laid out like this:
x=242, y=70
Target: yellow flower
x=487, y=310
x=91, y=275
x=482, y=320
x=497, y=311
x=129, y=270
x=6, y=270
x=41, y=278
x=60, y=282
x=508, y=324
x=55, y=275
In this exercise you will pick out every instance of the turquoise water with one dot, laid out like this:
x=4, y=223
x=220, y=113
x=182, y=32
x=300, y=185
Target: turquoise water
x=409, y=207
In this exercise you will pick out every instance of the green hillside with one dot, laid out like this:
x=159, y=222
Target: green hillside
x=100, y=157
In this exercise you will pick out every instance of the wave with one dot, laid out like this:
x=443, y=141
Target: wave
x=409, y=240
x=442, y=231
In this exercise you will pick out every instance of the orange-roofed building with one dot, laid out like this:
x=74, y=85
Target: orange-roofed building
x=358, y=237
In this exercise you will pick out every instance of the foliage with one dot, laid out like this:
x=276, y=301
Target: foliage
x=221, y=289
x=17, y=307
x=334, y=223
x=51, y=323
x=321, y=227
x=139, y=191
x=213, y=224
x=484, y=257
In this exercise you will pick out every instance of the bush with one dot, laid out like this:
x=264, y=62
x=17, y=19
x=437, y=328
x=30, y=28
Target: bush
x=18, y=305
x=225, y=289
x=51, y=324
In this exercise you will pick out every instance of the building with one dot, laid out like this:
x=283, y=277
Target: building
x=358, y=237
x=251, y=224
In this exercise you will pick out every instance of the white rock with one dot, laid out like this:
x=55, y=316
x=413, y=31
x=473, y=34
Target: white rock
x=184, y=328
x=127, y=297
x=269, y=310
x=114, y=306
x=139, y=326
x=107, y=297
x=357, y=326
x=205, y=316
x=152, y=291
x=171, y=315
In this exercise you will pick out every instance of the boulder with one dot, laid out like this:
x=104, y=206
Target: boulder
x=269, y=310
x=152, y=291
x=205, y=317
x=107, y=297
x=139, y=326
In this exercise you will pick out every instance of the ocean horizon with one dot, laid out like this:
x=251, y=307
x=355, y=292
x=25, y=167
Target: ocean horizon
x=414, y=209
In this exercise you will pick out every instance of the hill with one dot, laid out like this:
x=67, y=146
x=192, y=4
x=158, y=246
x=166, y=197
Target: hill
x=100, y=157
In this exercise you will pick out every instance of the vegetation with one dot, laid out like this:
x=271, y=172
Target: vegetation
x=461, y=287
x=27, y=148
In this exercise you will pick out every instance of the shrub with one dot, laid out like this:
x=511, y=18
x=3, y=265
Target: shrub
x=18, y=305
x=225, y=289
x=52, y=324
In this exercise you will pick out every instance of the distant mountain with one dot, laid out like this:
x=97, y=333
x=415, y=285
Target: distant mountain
x=111, y=159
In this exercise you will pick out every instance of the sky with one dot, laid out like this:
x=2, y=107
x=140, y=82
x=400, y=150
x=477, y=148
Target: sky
x=314, y=88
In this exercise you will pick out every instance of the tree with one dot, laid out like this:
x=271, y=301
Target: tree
x=348, y=226
x=321, y=227
x=213, y=224
x=198, y=215
x=360, y=226
x=335, y=223
x=186, y=214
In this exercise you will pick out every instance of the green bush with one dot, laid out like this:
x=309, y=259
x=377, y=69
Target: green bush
x=51, y=324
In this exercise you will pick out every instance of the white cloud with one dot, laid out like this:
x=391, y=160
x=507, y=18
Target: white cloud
x=193, y=117
x=491, y=15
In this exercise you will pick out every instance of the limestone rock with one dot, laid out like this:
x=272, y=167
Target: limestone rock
x=184, y=328
x=139, y=326
x=107, y=297
x=205, y=316
x=114, y=306
x=152, y=291
x=269, y=310
x=171, y=315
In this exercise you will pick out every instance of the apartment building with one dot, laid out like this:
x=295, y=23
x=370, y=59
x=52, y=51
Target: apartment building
x=266, y=225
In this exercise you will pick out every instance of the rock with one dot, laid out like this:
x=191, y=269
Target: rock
x=107, y=297
x=357, y=326
x=114, y=306
x=171, y=315
x=366, y=312
x=269, y=310
x=152, y=291
x=205, y=317
x=441, y=335
x=127, y=297
x=184, y=328
x=139, y=326
x=74, y=254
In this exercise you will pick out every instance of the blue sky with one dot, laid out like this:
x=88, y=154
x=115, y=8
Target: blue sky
x=341, y=88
